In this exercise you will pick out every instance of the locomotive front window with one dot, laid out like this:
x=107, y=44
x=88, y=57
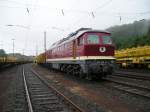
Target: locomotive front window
x=93, y=39
x=107, y=40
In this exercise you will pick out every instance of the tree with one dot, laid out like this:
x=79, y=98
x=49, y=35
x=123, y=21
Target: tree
x=2, y=53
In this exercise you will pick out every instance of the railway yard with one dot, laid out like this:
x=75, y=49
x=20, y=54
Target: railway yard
x=32, y=88
x=74, y=56
x=79, y=73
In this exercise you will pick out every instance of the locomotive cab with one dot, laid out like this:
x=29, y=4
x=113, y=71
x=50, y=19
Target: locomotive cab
x=95, y=44
x=99, y=44
x=97, y=48
x=98, y=38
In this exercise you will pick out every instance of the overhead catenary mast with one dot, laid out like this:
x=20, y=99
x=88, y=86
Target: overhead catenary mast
x=1, y=44
x=13, y=46
x=45, y=44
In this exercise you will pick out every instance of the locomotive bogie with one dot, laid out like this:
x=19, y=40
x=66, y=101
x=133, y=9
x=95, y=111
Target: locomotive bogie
x=89, y=69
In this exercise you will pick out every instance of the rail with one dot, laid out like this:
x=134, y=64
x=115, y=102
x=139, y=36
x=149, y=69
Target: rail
x=67, y=101
x=27, y=93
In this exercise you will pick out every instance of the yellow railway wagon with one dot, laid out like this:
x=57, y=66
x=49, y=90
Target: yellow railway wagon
x=139, y=56
x=2, y=59
x=11, y=59
x=40, y=59
x=8, y=59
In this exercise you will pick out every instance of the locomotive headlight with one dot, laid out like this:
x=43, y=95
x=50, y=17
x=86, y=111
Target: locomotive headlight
x=102, y=49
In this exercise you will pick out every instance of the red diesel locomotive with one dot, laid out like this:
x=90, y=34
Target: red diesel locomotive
x=85, y=53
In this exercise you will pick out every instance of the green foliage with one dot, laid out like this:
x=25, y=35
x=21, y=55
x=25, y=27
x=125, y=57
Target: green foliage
x=131, y=35
x=2, y=53
x=148, y=33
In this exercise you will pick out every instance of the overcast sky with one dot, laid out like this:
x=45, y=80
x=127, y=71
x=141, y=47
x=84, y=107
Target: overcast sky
x=60, y=17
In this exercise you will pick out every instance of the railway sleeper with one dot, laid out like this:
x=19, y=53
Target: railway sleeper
x=42, y=99
x=58, y=109
x=48, y=103
x=43, y=95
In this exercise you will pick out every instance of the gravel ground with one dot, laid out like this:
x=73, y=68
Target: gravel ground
x=134, y=70
x=5, y=80
x=94, y=95
x=15, y=100
x=137, y=82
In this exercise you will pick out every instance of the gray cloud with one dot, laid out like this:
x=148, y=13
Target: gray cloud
x=46, y=15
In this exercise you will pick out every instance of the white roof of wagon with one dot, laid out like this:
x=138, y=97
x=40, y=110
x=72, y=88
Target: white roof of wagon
x=75, y=35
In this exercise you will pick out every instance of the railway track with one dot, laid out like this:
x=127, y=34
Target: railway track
x=132, y=75
x=41, y=97
x=128, y=87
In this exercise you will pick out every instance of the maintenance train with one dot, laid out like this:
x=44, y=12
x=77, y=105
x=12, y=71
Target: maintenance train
x=85, y=53
x=133, y=57
x=10, y=60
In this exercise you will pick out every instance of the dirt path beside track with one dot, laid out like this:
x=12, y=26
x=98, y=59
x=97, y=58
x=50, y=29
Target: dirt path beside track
x=6, y=77
x=86, y=91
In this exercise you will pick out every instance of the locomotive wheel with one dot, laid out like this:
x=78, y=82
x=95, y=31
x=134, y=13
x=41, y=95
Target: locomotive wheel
x=75, y=70
x=89, y=77
x=69, y=70
x=62, y=68
x=50, y=67
x=81, y=74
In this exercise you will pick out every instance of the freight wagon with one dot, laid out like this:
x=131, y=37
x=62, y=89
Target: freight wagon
x=133, y=57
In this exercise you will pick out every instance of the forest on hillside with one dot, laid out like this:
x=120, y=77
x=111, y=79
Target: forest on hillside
x=131, y=35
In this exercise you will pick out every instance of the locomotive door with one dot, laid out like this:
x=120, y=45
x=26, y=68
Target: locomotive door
x=74, y=49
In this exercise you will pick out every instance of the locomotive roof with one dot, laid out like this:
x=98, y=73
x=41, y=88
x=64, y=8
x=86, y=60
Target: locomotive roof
x=75, y=35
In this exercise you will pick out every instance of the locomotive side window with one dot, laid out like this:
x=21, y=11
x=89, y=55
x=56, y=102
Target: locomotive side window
x=93, y=39
x=107, y=40
x=80, y=41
